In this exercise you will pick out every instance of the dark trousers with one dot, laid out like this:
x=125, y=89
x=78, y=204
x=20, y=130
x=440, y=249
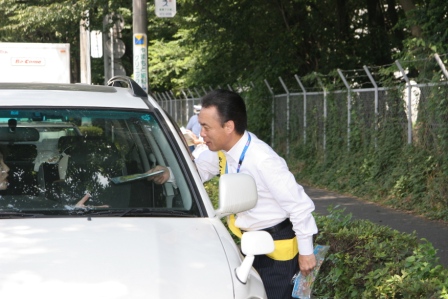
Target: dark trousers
x=277, y=275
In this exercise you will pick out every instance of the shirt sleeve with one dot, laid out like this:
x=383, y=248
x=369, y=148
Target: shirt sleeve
x=207, y=164
x=292, y=198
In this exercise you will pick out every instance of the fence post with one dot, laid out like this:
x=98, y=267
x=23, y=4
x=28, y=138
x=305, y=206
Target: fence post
x=304, y=107
x=173, y=98
x=156, y=97
x=376, y=100
x=272, y=111
x=442, y=66
x=168, y=103
x=325, y=113
x=162, y=99
x=167, y=97
x=349, y=106
x=191, y=95
x=197, y=92
x=409, y=100
x=287, y=115
x=187, y=108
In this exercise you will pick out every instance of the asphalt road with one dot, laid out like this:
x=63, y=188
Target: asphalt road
x=434, y=231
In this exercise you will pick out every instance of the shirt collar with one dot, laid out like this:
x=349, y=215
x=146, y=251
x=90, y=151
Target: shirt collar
x=237, y=149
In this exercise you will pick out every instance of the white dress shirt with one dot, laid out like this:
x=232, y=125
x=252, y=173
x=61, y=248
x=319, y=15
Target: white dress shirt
x=279, y=195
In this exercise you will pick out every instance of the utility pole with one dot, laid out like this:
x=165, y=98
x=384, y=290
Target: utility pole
x=84, y=38
x=114, y=47
x=140, y=42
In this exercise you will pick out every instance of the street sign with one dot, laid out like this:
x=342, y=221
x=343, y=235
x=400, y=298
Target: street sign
x=165, y=8
x=140, y=48
x=96, y=43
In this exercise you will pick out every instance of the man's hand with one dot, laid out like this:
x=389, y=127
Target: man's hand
x=81, y=203
x=307, y=263
x=195, y=138
x=159, y=178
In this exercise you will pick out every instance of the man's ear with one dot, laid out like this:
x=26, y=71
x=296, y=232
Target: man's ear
x=229, y=126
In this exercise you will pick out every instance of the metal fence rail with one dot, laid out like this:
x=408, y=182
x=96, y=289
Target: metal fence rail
x=350, y=116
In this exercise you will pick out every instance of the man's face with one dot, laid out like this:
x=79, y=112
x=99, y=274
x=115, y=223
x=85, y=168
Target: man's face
x=215, y=136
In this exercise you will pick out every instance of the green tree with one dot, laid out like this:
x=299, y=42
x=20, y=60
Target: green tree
x=211, y=42
x=244, y=41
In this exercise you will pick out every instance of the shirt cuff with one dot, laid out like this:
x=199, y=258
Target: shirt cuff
x=306, y=245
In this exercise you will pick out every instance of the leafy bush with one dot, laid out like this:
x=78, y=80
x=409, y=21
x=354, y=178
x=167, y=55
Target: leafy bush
x=367, y=260
x=91, y=130
x=372, y=261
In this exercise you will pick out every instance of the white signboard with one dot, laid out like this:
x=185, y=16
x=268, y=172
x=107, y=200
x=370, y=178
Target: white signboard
x=165, y=8
x=96, y=44
x=140, y=43
x=35, y=62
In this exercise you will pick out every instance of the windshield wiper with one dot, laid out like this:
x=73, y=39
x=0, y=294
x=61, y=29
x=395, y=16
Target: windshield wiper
x=155, y=213
x=131, y=212
x=20, y=215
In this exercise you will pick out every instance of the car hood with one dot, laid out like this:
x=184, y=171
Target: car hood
x=112, y=258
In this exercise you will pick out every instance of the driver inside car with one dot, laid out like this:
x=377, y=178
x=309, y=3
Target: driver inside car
x=4, y=172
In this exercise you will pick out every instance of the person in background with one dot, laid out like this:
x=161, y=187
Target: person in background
x=283, y=209
x=195, y=127
x=4, y=172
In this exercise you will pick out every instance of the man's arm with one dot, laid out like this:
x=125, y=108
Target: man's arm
x=160, y=178
x=293, y=199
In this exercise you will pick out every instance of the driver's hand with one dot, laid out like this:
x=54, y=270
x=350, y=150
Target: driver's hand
x=81, y=203
x=159, y=178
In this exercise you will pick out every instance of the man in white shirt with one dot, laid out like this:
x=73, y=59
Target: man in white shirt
x=194, y=126
x=193, y=123
x=283, y=208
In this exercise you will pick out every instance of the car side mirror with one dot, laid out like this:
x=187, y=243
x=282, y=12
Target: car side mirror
x=252, y=244
x=237, y=193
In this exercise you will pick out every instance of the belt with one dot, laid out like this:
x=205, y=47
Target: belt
x=278, y=227
x=284, y=249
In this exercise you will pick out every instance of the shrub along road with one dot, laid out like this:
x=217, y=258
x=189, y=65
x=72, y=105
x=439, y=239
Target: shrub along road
x=433, y=231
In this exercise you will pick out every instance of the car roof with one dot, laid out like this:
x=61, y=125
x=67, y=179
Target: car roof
x=70, y=95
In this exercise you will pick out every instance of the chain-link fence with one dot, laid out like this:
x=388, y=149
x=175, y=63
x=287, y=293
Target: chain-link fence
x=344, y=113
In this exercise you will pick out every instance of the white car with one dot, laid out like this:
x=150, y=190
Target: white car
x=79, y=217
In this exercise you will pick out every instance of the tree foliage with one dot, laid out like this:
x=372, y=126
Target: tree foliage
x=253, y=40
x=211, y=43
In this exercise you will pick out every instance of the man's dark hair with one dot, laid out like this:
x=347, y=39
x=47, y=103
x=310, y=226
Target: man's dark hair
x=230, y=106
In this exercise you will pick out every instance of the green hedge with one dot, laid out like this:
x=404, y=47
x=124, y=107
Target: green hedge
x=367, y=260
x=373, y=261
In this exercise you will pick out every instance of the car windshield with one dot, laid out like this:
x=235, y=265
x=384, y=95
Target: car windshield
x=70, y=162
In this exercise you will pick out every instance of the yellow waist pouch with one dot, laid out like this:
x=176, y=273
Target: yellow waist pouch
x=284, y=249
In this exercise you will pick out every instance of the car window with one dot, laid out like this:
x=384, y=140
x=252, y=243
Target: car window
x=59, y=157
